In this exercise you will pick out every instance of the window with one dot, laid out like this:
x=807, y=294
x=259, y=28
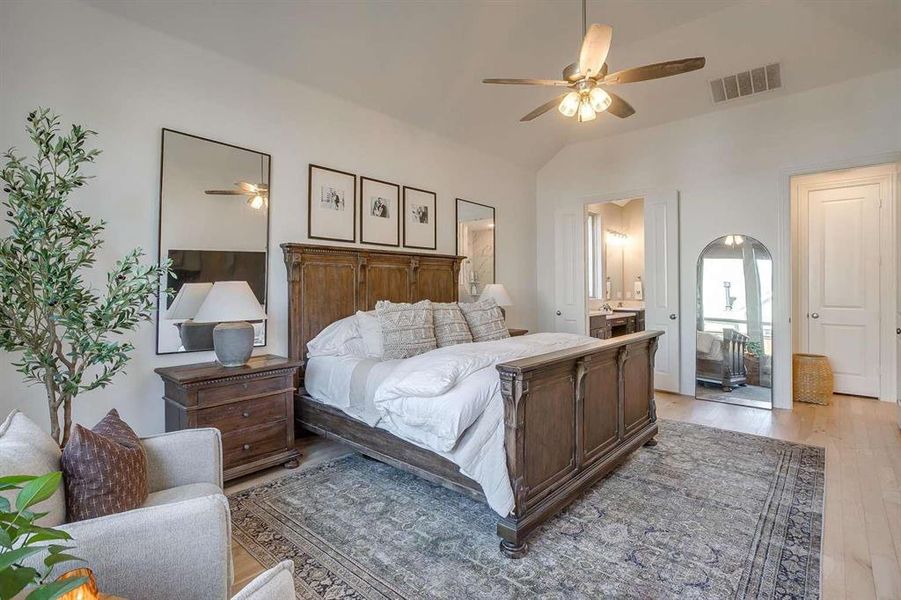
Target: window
x=593, y=238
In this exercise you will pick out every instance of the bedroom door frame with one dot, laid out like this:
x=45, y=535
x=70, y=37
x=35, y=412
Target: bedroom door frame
x=671, y=379
x=889, y=168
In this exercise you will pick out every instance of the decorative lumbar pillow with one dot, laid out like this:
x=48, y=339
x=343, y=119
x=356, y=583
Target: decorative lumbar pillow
x=407, y=329
x=485, y=319
x=371, y=332
x=450, y=324
x=26, y=449
x=105, y=469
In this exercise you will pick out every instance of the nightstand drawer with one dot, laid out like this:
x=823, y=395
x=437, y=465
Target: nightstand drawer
x=232, y=390
x=244, y=445
x=246, y=413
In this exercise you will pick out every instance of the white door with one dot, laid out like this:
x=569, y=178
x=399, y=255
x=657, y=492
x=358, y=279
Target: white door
x=843, y=300
x=569, y=255
x=661, y=283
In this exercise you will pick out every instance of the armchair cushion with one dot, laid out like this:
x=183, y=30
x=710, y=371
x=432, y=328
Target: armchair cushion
x=26, y=449
x=182, y=492
x=275, y=584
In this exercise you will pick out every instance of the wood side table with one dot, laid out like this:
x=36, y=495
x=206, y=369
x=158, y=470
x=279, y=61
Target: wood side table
x=517, y=332
x=252, y=405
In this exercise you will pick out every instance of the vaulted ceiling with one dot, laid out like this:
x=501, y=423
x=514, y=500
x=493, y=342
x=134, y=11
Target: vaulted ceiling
x=422, y=62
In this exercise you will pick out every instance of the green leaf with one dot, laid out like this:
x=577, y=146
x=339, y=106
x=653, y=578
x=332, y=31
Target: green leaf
x=38, y=490
x=55, y=589
x=13, y=581
x=11, y=482
x=5, y=540
x=53, y=559
x=46, y=535
x=14, y=556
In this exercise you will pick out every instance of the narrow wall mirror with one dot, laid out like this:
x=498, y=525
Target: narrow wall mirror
x=214, y=226
x=475, y=241
x=735, y=323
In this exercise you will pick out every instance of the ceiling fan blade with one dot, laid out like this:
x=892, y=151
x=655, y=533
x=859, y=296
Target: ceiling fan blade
x=656, y=71
x=543, y=108
x=225, y=192
x=619, y=107
x=594, y=51
x=552, y=82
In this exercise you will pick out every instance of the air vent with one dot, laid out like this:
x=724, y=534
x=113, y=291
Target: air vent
x=746, y=83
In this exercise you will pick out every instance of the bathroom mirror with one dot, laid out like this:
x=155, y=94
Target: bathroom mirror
x=734, y=355
x=214, y=226
x=475, y=241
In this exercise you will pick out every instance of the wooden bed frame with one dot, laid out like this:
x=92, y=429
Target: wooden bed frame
x=730, y=371
x=570, y=416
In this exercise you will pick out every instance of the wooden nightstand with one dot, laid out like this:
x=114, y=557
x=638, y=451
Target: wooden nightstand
x=517, y=332
x=252, y=405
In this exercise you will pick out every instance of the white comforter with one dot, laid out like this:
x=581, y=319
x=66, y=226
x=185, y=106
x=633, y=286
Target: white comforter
x=449, y=401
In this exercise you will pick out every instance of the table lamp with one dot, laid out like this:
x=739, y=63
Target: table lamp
x=194, y=336
x=498, y=293
x=231, y=304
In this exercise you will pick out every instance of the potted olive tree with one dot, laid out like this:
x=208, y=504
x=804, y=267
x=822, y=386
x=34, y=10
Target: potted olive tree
x=67, y=334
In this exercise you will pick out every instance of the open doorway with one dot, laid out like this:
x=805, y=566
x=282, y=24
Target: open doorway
x=615, y=267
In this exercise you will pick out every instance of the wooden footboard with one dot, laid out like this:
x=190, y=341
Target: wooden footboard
x=571, y=417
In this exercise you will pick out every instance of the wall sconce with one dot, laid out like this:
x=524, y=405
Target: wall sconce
x=616, y=238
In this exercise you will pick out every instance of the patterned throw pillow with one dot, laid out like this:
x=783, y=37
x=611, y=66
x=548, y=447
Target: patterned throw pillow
x=485, y=319
x=450, y=324
x=407, y=329
x=104, y=469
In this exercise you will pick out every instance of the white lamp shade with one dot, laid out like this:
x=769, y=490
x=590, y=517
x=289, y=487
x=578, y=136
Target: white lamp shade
x=188, y=300
x=230, y=301
x=498, y=293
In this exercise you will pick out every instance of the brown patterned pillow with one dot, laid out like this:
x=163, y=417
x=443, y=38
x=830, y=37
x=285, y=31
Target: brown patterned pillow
x=485, y=319
x=450, y=325
x=104, y=469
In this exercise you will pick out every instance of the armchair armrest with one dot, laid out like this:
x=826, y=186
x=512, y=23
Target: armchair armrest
x=180, y=550
x=182, y=457
x=275, y=584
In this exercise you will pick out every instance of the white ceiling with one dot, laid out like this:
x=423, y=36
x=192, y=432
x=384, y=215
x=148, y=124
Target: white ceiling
x=422, y=62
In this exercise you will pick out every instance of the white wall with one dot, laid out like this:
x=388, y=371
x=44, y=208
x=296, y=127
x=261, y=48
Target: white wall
x=731, y=168
x=127, y=82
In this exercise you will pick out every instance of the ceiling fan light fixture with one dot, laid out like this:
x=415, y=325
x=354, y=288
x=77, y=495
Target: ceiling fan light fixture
x=570, y=104
x=599, y=99
x=586, y=112
x=257, y=202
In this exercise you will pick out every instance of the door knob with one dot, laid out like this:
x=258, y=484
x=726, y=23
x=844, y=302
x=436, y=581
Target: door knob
x=559, y=313
x=814, y=315
x=672, y=317
x=898, y=331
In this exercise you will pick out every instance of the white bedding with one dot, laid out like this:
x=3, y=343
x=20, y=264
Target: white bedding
x=447, y=400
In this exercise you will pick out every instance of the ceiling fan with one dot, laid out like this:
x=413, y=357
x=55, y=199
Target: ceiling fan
x=587, y=77
x=257, y=193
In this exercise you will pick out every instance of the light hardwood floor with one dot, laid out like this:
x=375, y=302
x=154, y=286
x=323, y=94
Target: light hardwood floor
x=862, y=543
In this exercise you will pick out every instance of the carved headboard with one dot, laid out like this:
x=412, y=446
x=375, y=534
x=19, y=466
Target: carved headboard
x=327, y=283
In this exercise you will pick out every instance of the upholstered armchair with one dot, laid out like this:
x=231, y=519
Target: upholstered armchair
x=177, y=545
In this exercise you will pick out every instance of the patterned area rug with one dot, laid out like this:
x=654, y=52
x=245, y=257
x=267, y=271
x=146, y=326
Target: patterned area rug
x=705, y=514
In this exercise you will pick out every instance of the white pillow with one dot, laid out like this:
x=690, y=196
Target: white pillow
x=25, y=449
x=371, y=332
x=334, y=340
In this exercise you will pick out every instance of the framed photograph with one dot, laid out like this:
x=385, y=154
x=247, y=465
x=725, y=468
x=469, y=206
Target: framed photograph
x=332, y=205
x=420, y=218
x=379, y=212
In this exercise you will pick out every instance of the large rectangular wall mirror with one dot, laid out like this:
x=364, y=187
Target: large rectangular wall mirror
x=475, y=241
x=214, y=226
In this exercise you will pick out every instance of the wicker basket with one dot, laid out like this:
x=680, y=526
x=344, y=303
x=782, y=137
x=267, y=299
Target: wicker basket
x=812, y=379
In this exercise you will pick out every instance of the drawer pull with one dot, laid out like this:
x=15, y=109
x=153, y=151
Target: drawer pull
x=245, y=414
x=244, y=386
x=247, y=446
